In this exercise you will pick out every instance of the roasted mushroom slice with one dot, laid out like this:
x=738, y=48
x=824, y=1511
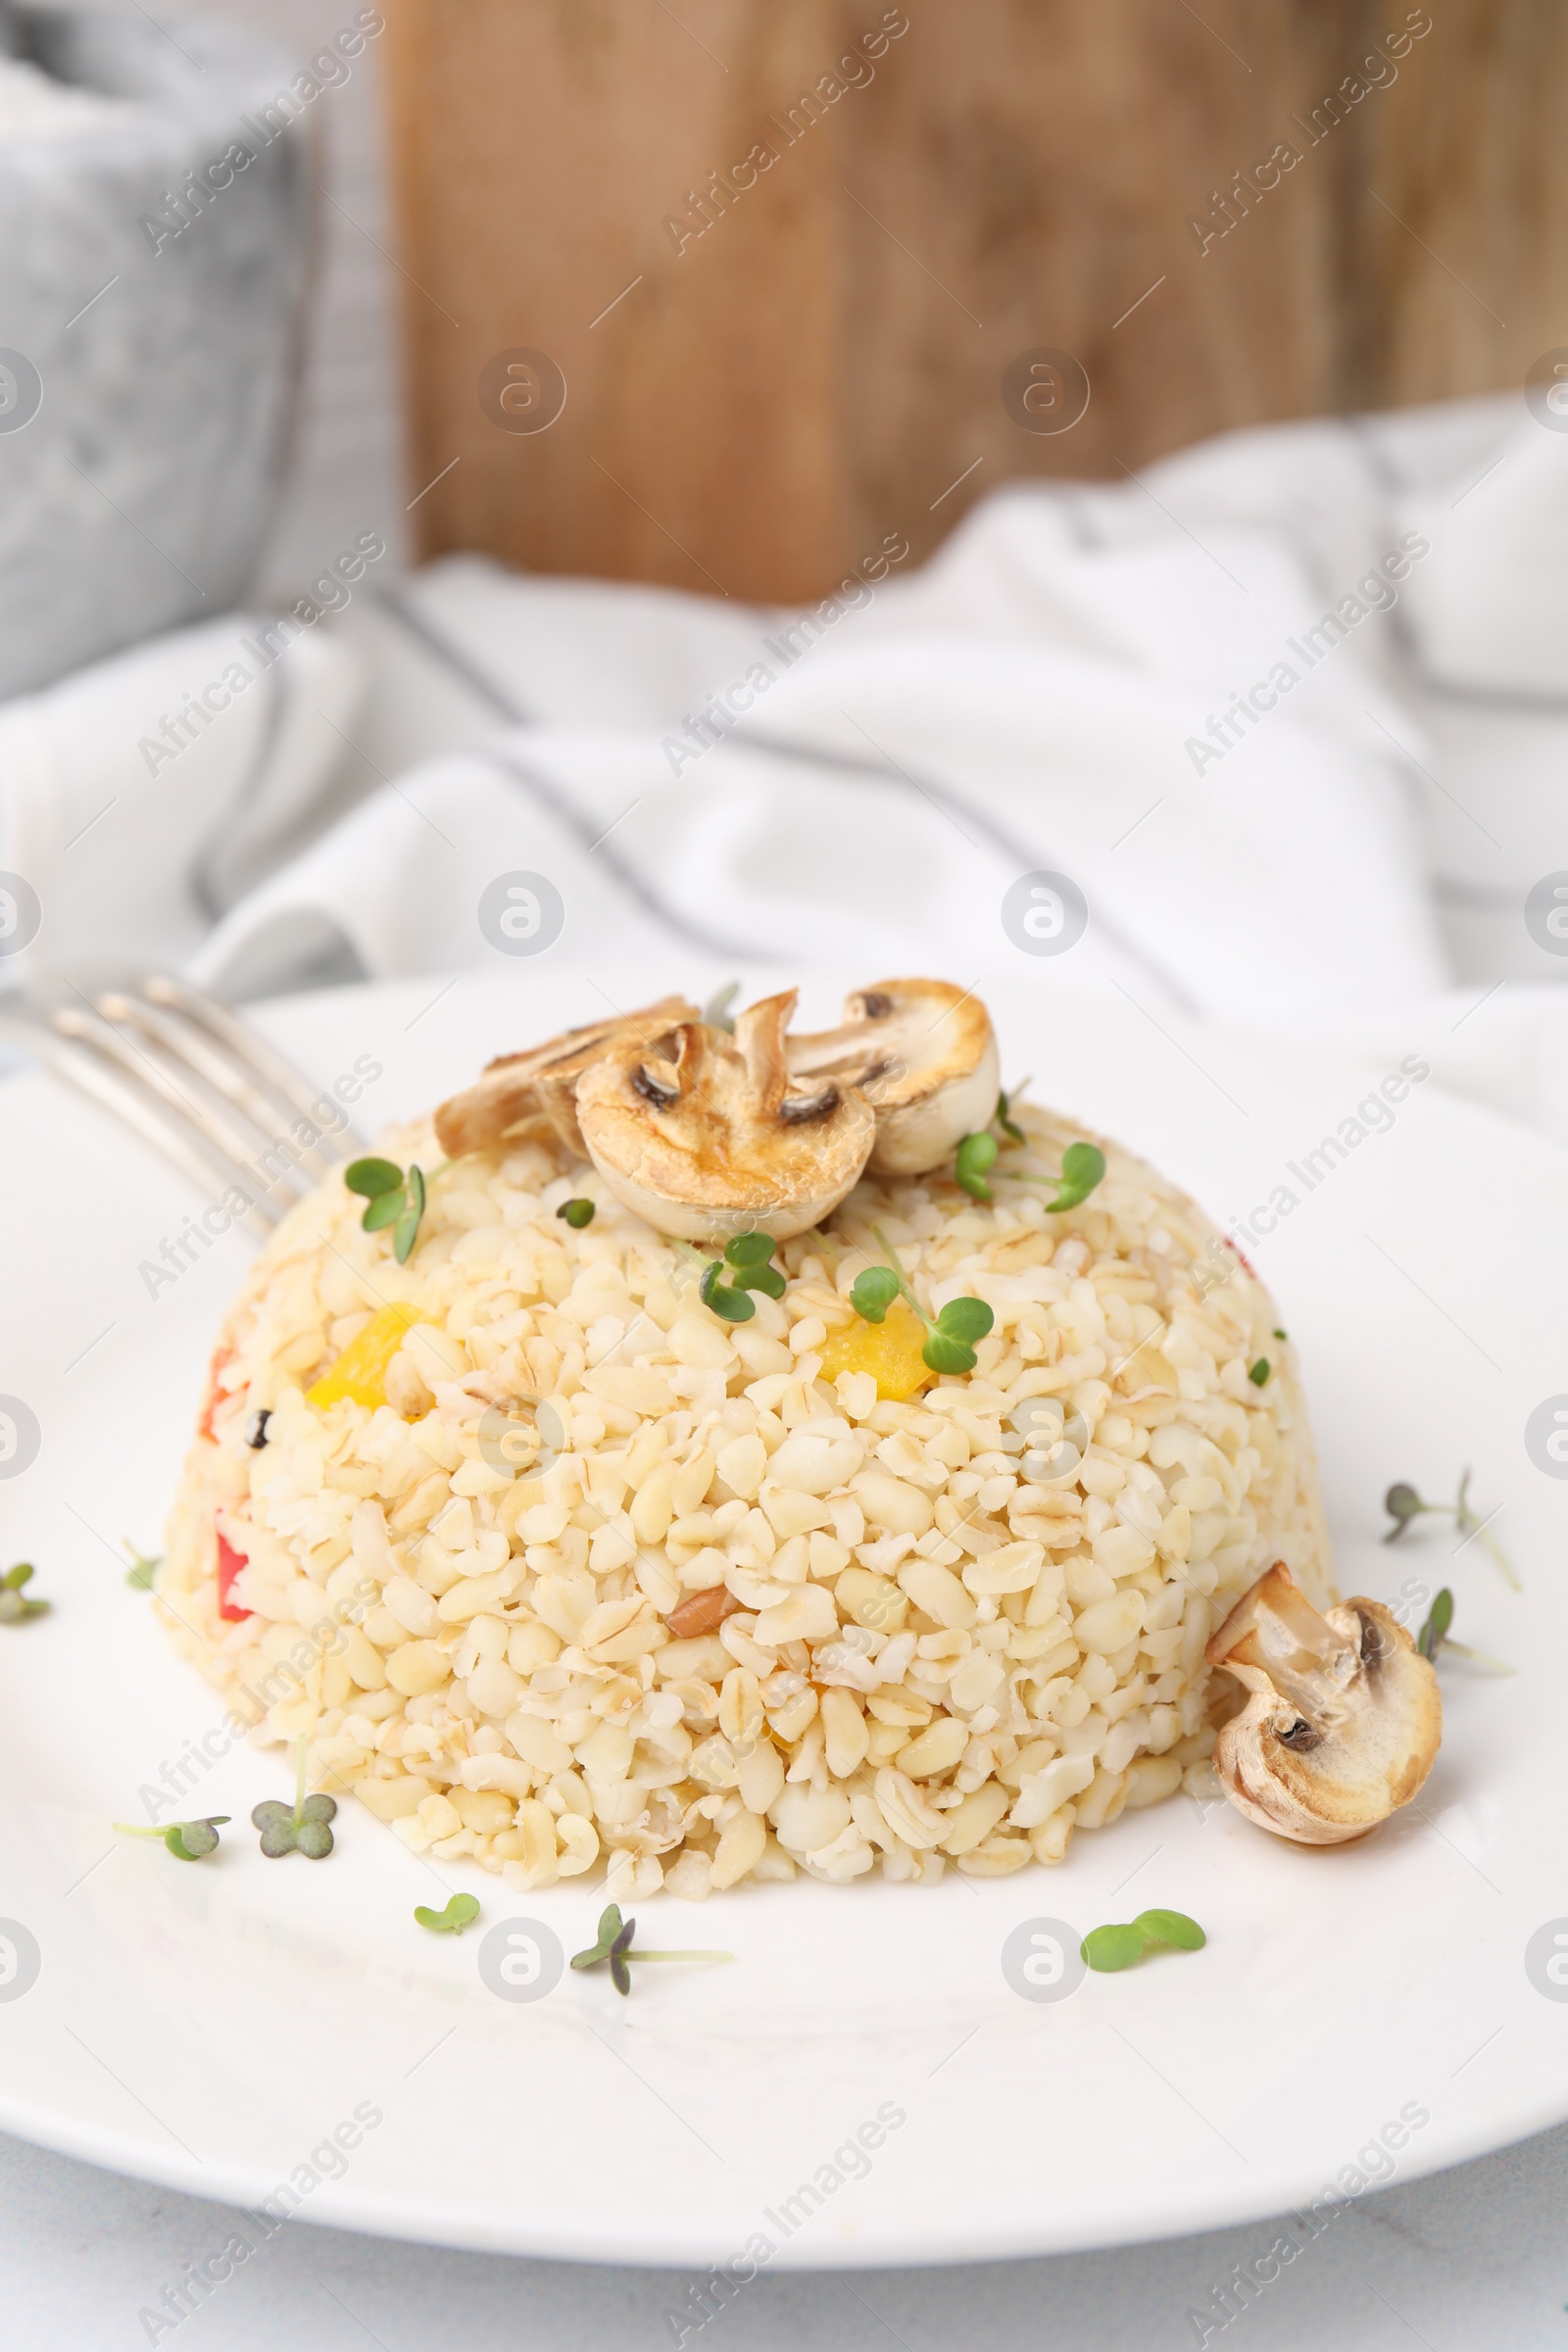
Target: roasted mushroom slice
x=539, y=1084
x=1344, y=1720
x=715, y=1136
x=924, y=1053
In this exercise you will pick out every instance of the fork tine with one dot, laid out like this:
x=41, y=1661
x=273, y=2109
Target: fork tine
x=195, y=1050
x=172, y=1087
x=119, y=1092
x=246, y=1043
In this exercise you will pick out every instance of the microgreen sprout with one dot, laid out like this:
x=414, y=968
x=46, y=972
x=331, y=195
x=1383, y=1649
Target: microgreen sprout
x=186, y=1841
x=1434, y=1637
x=392, y=1198
x=1403, y=1505
x=975, y=1155
x=1435, y=1631
x=614, y=1945
x=1003, y=1116
x=716, y=1011
x=745, y=1262
x=143, y=1568
x=578, y=1213
x=1259, y=1373
x=1083, y=1164
x=873, y=1292
x=1082, y=1167
x=949, y=1346
x=14, y=1608
x=1118, y=1946
x=461, y=1911
x=299, y=1828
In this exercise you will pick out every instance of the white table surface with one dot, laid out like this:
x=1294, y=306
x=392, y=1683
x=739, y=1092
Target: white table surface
x=1477, y=2257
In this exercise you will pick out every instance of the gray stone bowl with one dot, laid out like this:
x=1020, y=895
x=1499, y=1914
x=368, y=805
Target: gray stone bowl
x=148, y=335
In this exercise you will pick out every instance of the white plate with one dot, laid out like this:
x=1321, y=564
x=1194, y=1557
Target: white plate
x=211, y=2026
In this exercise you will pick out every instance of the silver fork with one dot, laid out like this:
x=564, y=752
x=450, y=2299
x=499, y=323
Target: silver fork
x=192, y=1079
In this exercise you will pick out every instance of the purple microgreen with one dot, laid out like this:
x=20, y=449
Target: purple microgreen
x=613, y=1943
x=299, y=1828
x=1403, y=1505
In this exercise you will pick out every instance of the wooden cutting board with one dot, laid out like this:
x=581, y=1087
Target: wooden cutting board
x=777, y=259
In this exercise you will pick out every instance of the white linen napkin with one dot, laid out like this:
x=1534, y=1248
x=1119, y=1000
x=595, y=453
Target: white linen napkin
x=1229, y=701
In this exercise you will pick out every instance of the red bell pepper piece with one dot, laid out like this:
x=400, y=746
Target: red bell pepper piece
x=229, y=1565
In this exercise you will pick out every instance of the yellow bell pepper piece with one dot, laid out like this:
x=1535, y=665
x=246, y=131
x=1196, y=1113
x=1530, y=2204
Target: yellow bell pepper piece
x=361, y=1370
x=890, y=1351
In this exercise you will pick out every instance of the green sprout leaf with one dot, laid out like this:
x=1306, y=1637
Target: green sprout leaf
x=1435, y=1638
x=714, y=1293
x=392, y=1198
x=578, y=1213
x=186, y=1841
x=1082, y=1167
x=408, y=1224
x=966, y=1319
x=975, y=1155
x=949, y=1347
x=873, y=1292
x=460, y=1912
x=1430, y=1638
x=14, y=1608
x=1003, y=1115
x=1173, y=1928
x=1259, y=1373
x=1111, y=1949
x=144, y=1566
x=749, y=1254
x=371, y=1178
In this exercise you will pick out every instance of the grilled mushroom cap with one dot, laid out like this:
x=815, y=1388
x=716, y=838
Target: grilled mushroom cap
x=713, y=1135
x=1345, y=1717
x=540, y=1084
x=924, y=1053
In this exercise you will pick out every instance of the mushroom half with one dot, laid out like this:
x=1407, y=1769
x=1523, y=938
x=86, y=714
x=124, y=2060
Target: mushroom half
x=710, y=1135
x=924, y=1053
x=541, y=1084
x=1344, y=1719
